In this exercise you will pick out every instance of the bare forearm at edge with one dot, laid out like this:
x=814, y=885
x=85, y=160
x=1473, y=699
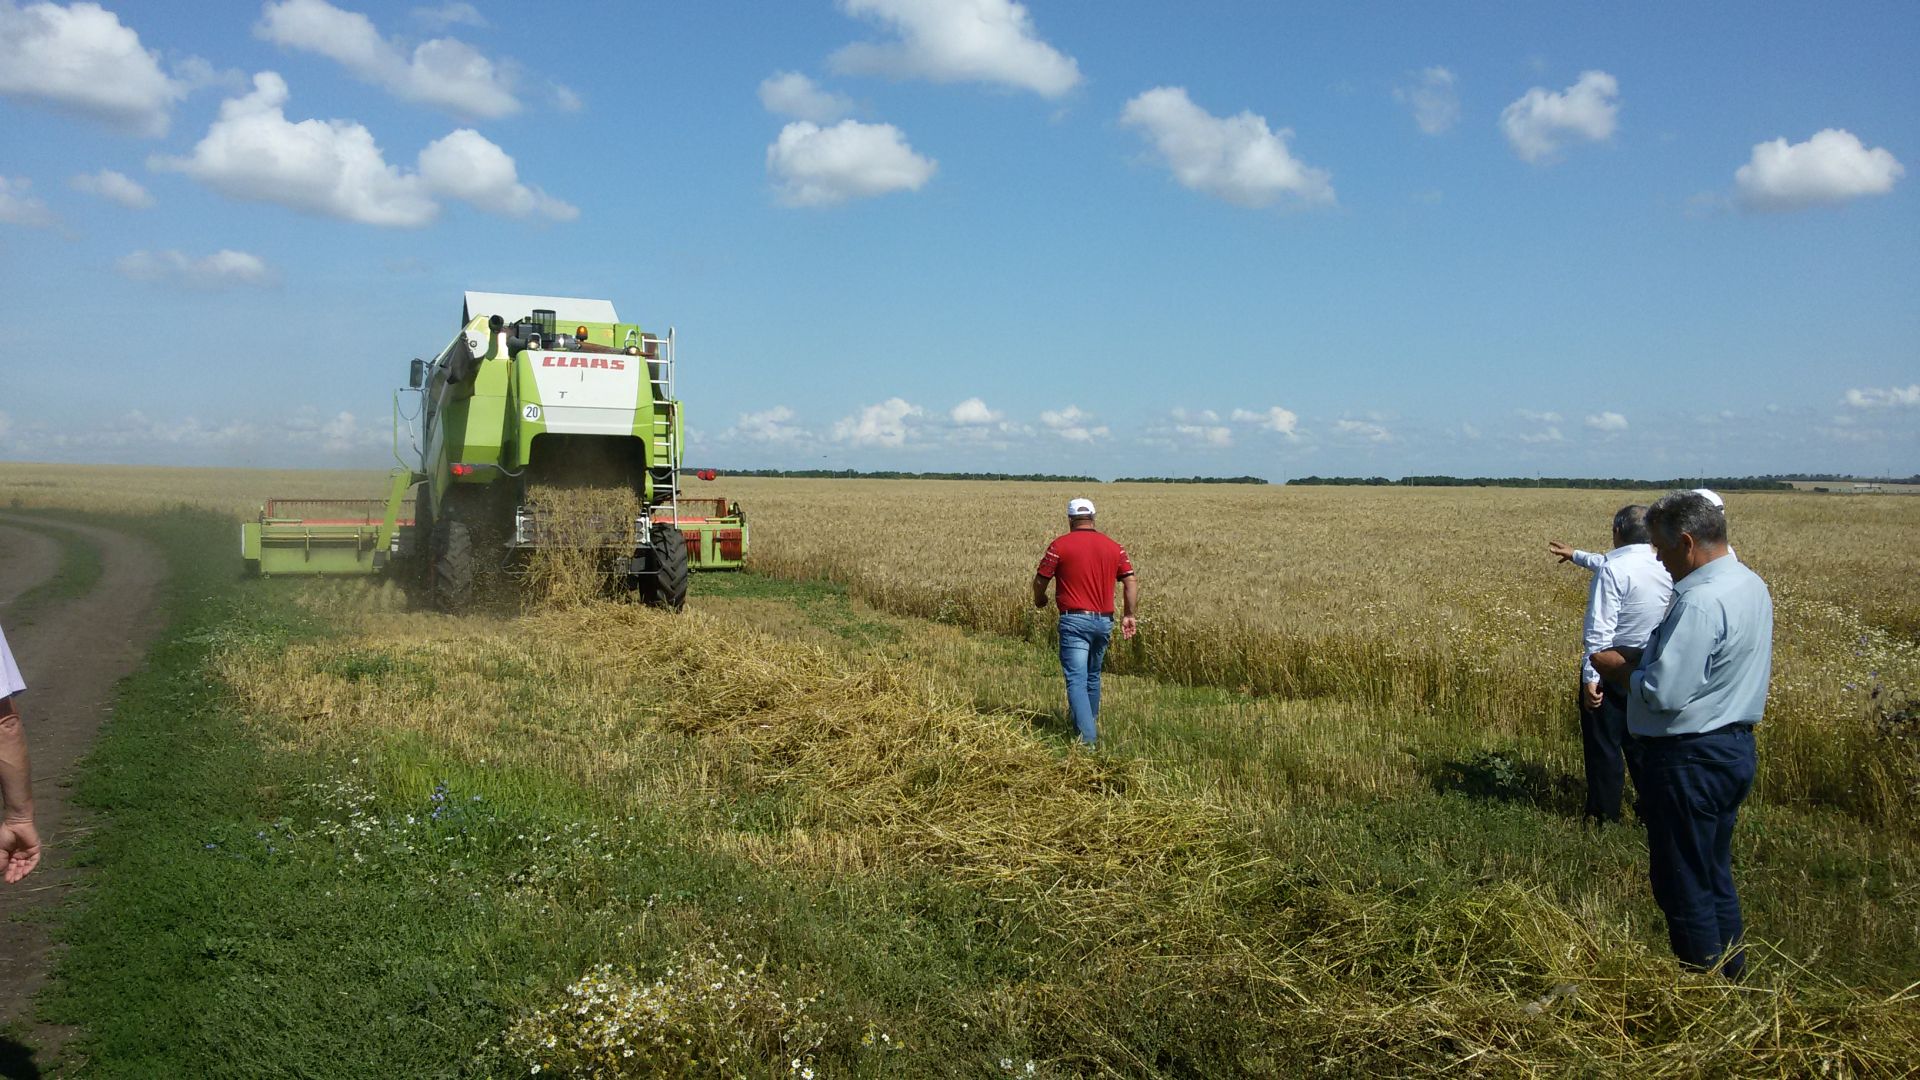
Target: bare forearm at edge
x=15, y=773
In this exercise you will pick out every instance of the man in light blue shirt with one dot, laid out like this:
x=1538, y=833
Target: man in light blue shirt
x=1626, y=601
x=1693, y=698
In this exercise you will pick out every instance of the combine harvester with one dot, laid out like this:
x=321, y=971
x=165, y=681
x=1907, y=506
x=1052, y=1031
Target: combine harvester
x=535, y=392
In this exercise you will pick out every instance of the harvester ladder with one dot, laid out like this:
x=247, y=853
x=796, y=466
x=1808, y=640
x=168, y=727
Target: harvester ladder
x=660, y=373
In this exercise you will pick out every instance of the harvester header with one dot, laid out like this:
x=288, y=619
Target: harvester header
x=534, y=394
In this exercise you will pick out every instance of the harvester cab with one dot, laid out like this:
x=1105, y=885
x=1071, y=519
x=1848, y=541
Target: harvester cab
x=535, y=398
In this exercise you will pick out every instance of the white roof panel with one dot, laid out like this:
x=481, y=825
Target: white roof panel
x=511, y=306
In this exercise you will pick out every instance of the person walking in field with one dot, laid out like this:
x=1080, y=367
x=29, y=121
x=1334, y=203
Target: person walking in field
x=1693, y=697
x=19, y=843
x=1083, y=566
x=1629, y=594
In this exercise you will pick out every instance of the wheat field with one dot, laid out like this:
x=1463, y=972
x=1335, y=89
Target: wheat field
x=1434, y=600
x=1268, y=868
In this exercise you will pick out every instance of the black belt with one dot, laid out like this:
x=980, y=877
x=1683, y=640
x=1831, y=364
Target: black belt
x=1744, y=728
x=1084, y=611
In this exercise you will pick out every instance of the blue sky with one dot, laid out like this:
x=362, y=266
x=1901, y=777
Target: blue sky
x=1114, y=238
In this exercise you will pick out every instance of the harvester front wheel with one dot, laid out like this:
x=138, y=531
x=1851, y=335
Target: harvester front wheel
x=419, y=546
x=453, y=566
x=665, y=582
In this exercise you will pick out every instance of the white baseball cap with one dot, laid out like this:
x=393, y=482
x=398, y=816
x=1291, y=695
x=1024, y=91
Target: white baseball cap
x=1711, y=496
x=1079, y=508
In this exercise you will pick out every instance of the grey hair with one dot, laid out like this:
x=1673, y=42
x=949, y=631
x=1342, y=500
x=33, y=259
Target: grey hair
x=1630, y=524
x=1687, y=512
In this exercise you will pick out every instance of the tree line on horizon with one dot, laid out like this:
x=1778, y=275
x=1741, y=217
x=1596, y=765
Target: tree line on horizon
x=1771, y=482
x=1717, y=483
x=896, y=474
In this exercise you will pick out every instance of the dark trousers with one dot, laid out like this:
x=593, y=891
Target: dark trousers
x=1694, y=787
x=1611, y=754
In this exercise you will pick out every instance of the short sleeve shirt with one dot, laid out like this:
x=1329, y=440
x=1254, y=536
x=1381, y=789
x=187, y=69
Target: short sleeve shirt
x=10, y=681
x=1084, y=565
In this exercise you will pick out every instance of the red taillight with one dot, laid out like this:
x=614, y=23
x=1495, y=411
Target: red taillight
x=464, y=470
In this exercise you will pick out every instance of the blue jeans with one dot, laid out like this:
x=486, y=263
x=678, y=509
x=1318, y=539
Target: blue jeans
x=1694, y=787
x=1083, y=648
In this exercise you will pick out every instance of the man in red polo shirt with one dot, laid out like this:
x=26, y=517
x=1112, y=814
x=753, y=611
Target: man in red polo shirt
x=1083, y=565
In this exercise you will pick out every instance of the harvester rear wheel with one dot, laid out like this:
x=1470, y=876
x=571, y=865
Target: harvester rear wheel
x=665, y=582
x=453, y=566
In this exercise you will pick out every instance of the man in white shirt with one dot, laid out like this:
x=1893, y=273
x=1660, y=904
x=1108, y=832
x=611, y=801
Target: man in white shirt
x=1594, y=560
x=1626, y=601
x=19, y=843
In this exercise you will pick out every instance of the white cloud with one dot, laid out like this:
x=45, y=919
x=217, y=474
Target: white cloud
x=1539, y=417
x=1275, y=419
x=443, y=72
x=19, y=208
x=1541, y=122
x=789, y=93
x=1833, y=166
x=195, y=73
x=816, y=166
x=113, y=187
x=1238, y=159
x=565, y=99
x=990, y=41
x=884, y=424
x=1431, y=95
x=328, y=167
x=222, y=269
x=1363, y=429
x=1198, y=426
x=1892, y=397
x=453, y=14
x=1548, y=435
x=1205, y=434
x=1469, y=430
x=334, y=167
x=337, y=434
x=1073, y=424
x=465, y=165
x=769, y=426
x=80, y=59
x=973, y=412
x=278, y=439
x=136, y=428
x=1607, y=421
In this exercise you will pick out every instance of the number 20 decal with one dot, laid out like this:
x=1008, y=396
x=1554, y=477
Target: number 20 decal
x=532, y=412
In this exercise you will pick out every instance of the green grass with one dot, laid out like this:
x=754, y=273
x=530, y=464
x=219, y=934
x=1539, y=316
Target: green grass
x=76, y=573
x=251, y=916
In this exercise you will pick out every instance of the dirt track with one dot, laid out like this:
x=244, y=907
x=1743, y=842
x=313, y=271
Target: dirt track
x=71, y=654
